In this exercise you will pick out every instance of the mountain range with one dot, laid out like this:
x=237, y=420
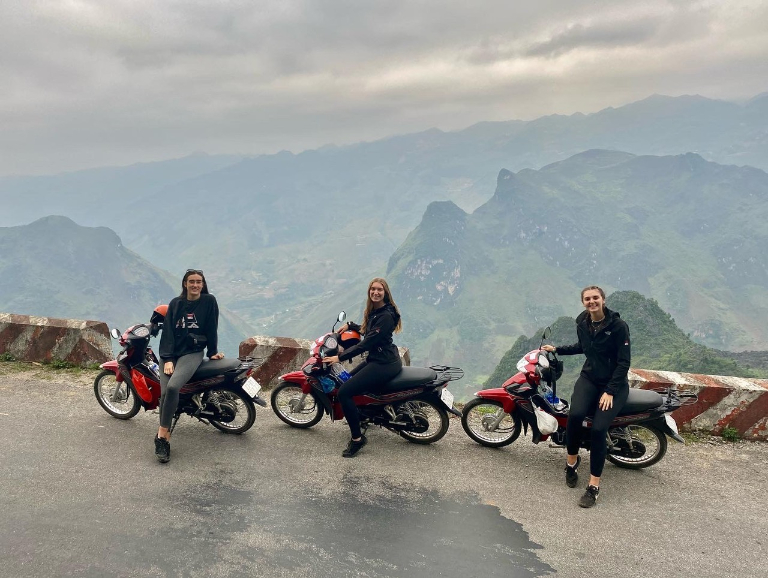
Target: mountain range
x=56, y=268
x=687, y=232
x=484, y=233
x=290, y=238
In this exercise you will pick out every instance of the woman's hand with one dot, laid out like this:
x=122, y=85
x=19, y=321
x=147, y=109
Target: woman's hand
x=606, y=402
x=550, y=348
x=343, y=328
x=331, y=359
x=168, y=368
x=217, y=356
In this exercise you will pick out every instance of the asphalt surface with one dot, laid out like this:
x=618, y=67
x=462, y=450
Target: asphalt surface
x=81, y=494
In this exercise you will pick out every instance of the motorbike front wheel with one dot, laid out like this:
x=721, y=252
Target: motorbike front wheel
x=430, y=418
x=237, y=411
x=294, y=407
x=486, y=422
x=636, y=446
x=116, y=397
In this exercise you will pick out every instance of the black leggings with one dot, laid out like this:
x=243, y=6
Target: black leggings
x=366, y=378
x=584, y=404
x=184, y=368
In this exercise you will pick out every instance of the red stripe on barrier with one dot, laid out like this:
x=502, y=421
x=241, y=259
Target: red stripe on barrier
x=275, y=364
x=10, y=334
x=708, y=396
x=743, y=418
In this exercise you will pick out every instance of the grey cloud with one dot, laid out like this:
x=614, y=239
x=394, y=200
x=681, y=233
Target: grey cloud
x=604, y=34
x=92, y=82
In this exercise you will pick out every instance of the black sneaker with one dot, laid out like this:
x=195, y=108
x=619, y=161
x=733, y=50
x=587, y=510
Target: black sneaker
x=589, y=498
x=571, y=476
x=162, y=449
x=354, y=446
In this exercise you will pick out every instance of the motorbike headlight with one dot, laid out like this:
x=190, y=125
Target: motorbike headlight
x=331, y=343
x=141, y=331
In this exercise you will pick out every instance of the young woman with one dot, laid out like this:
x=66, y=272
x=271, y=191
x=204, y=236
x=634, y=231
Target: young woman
x=190, y=326
x=381, y=319
x=602, y=387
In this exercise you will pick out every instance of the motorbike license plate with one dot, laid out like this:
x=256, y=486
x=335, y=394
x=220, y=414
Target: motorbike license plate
x=447, y=397
x=671, y=422
x=251, y=387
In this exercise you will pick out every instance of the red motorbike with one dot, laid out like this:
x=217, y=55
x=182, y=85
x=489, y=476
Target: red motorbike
x=221, y=392
x=414, y=404
x=637, y=437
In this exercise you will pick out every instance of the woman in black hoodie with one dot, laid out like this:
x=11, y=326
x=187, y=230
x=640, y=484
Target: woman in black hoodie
x=602, y=387
x=381, y=319
x=190, y=327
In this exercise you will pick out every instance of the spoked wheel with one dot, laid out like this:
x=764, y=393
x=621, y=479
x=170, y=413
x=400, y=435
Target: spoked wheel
x=117, y=399
x=487, y=423
x=429, y=418
x=236, y=410
x=636, y=446
x=294, y=407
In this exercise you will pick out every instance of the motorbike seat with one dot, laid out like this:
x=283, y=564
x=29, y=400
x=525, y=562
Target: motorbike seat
x=410, y=377
x=211, y=368
x=640, y=400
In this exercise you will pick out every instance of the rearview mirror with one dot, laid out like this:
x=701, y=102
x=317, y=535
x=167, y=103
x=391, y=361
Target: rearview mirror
x=342, y=316
x=115, y=333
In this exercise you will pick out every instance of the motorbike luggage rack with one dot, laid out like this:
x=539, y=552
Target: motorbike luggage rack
x=253, y=360
x=445, y=373
x=682, y=397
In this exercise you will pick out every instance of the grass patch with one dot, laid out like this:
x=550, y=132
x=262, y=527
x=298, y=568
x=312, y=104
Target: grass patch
x=6, y=357
x=730, y=434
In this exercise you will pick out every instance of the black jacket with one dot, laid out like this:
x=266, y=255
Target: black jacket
x=189, y=327
x=378, y=337
x=607, y=351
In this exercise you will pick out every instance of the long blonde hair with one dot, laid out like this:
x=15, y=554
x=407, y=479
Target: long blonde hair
x=387, y=300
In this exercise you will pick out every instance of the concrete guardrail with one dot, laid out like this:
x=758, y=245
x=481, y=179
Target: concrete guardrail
x=46, y=339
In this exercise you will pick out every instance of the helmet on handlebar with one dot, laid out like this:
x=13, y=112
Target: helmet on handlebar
x=553, y=372
x=349, y=338
x=158, y=316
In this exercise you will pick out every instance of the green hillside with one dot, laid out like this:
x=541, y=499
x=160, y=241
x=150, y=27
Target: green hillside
x=657, y=343
x=672, y=228
x=56, y=268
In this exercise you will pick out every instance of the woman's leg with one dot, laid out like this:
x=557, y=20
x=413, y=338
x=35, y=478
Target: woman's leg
x=367, y=377
x=600, y=425
x=583, y=403
x=170, y=385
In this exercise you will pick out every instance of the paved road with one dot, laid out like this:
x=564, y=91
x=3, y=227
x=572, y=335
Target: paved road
x=82, y=495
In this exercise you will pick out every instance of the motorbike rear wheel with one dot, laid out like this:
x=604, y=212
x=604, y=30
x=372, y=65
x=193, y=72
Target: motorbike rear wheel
x=649, y=445
x=287, y=404
x=239, y=411
x=479, y=422
x=126, y=403
x=432, y=418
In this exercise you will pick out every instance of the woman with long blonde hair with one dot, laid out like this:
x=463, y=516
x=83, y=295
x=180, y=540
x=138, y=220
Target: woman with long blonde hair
x=381, y=319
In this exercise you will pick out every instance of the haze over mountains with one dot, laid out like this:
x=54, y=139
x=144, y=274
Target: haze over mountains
x=288, y=240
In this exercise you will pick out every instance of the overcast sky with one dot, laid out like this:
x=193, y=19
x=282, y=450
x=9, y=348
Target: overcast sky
x=93, y=82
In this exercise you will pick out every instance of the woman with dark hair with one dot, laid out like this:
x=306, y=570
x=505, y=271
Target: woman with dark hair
x=190, y=326
x=601, y=389
x=381, y=319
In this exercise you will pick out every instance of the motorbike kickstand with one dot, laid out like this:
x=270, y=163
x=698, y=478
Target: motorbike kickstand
x=173, y=423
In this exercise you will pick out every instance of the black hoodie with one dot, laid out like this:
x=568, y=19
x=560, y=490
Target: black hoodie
x=607, y=351
x=378, y=337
